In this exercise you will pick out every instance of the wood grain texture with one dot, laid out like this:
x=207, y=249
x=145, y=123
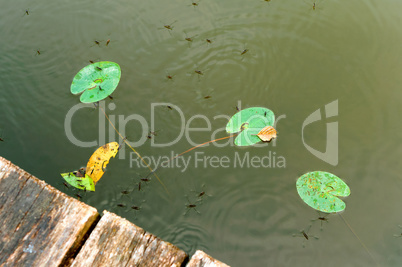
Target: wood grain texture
x=117, y=242
x=201, y=259
x=41, y=226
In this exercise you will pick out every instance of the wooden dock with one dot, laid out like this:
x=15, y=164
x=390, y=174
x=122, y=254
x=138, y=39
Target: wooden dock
x=41, y=226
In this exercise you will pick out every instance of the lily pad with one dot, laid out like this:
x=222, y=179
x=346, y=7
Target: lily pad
x=320, y=190
x=250, y=121
x=83, y=183
x=97, y=81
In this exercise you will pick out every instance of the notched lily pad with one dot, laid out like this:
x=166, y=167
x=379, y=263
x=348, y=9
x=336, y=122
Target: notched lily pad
x=250, y=121
x=83, y=183
x=320, y=190
x=97, y=81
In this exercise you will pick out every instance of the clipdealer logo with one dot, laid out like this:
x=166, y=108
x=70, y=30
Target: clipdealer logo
x=330, y=155
x=201, y=160
x=237, y=160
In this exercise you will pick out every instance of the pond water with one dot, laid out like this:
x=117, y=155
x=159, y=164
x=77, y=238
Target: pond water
x=282, y=55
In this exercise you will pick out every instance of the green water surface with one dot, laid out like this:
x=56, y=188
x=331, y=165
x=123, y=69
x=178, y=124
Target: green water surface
x=279, y=54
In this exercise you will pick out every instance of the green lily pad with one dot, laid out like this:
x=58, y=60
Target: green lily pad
x=97, y=81
x=320, y=190
x=83, y=183
x=250, y=121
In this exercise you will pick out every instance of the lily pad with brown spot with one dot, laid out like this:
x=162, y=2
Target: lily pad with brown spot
x=250, y=122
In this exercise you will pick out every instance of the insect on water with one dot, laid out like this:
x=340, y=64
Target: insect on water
x=125, y=192
x=152, y=133
x=322, y=219
x=189, y=39
x=146, y=179
x=305, y=235
x=143, y=180
x=190, y=206
x=201, y=194
x=244, y=51
x=107, y=42
x=139, y=186
x=137, y=208
x=314, y=5
x=169, y=26
x=169, y=76
x=82, y=171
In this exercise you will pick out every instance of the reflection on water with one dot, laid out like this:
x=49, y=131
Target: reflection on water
x=203, y=59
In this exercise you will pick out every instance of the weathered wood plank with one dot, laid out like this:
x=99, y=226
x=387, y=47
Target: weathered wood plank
x=117, y=242
x=201, y=259
x=40, y=225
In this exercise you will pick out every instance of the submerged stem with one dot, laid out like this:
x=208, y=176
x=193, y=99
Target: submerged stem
x=194, y=147
x=361, y=242
x=125, y=141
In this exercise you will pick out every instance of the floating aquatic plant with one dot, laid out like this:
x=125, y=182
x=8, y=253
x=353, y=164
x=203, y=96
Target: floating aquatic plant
x=79, y=181
x=320, y=190
x=250, y=122
x=97, y=81
x=87, y=179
